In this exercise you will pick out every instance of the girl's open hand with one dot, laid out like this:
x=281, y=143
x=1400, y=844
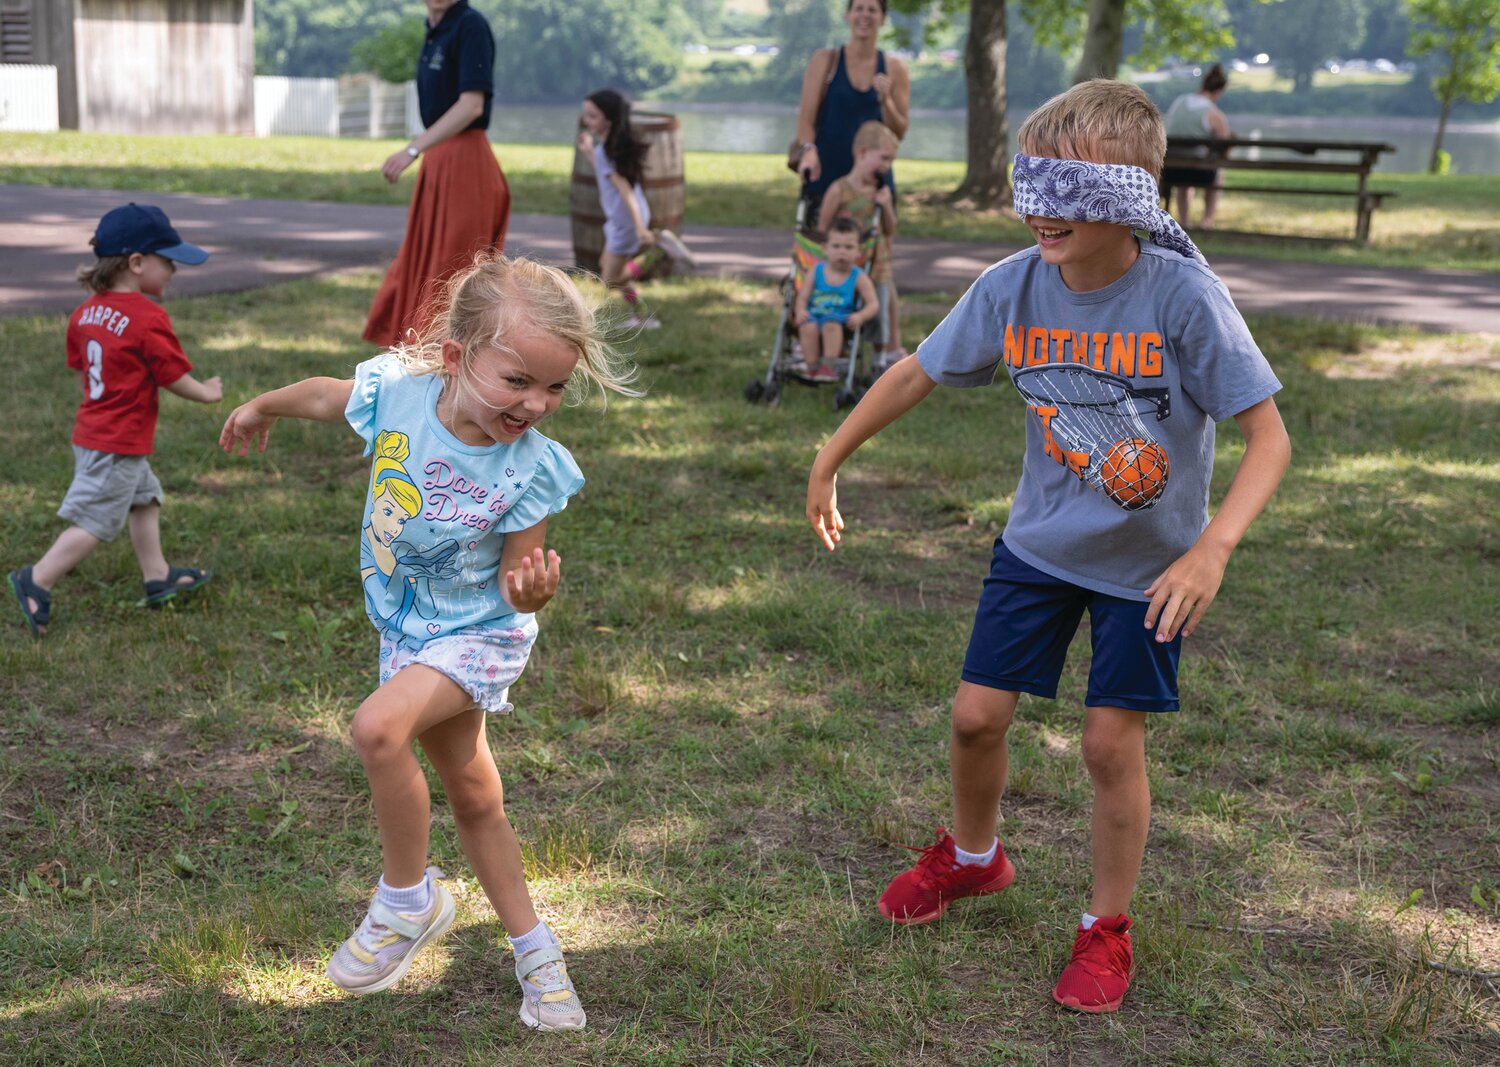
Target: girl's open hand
x=245, y=424
x=529, y=586
x=823, y=509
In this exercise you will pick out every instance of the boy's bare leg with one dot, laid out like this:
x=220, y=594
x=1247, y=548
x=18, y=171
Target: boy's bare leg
x=459, y=752
x=145, y=538
x=811, y=338
x=833, y=339
x=1114, y=750
x=979, y=761
x=70, y=549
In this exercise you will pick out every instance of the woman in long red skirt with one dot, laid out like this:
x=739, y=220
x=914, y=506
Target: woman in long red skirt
x=461, y=204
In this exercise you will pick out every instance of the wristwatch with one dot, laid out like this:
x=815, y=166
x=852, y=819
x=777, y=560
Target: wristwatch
x=411, y=150
x=808, y=145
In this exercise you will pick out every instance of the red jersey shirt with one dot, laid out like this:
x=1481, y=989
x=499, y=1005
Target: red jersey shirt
x=124, y=345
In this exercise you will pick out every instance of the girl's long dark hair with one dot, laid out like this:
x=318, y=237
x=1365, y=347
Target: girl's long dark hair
x=623, y=150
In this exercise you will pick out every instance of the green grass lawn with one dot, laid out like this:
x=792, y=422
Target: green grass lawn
x=726, y=733
x=1449, y=222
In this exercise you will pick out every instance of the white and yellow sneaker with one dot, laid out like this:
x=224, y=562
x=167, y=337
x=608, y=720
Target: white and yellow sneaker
x=379, y=953
x=548, y=1000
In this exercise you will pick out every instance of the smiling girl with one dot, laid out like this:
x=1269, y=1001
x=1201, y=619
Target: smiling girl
x=454, y=527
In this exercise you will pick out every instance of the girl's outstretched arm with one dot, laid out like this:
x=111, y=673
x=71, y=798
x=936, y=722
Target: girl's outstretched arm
x=894, y=393
x=531, y=575
x=323, y=399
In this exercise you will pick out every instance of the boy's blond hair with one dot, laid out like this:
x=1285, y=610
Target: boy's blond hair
x=876, y=135
x=1102, y=121
x=99, y=275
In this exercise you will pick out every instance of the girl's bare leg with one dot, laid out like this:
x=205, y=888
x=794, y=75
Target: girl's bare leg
x=413, y=702
x=460, y=753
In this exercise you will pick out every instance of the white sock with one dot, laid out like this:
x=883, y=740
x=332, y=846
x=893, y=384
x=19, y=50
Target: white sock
x=539, y=936
x=969, y=859
x=411, y=899
x=1088, y=921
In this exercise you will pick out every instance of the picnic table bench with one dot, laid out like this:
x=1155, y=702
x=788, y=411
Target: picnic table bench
x=1306, y=157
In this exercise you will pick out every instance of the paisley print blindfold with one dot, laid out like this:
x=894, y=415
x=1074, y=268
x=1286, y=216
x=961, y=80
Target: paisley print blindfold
x=1079, y=191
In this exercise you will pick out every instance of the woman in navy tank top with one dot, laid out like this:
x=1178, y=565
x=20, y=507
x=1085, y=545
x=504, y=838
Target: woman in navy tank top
x=857, y=83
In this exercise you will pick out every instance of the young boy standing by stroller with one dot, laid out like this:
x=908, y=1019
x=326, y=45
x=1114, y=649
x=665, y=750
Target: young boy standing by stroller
x=834, y=295
x=1127, y=351
x=858, y=195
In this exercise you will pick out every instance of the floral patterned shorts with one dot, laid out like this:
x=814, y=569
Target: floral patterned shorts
x=483, y=660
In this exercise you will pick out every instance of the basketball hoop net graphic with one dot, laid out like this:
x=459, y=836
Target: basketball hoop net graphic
x=1094, y=424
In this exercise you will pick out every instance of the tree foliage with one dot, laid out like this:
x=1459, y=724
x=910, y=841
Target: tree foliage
x=390, y=52
x=1168, y=29
x=1467, y=34
x=314, y=38
x=563, y=50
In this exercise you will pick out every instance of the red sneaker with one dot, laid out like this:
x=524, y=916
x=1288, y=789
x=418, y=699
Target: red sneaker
x=923, y=893
x=1096, y=978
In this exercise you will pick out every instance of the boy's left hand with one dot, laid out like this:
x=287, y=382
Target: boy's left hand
x=534, y=582
x=1183, y=592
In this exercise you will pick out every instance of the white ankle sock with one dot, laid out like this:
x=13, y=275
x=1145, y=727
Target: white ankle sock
x=539, y=936
x=1088, y=921
x=411, y=899
x=968, y=859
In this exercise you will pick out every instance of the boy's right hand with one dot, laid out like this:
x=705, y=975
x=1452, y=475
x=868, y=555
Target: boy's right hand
x=245, y=424
x=823, y=507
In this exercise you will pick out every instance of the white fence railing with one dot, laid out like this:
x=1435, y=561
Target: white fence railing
x=353, y=106
x=291, y=106
x=28, y=98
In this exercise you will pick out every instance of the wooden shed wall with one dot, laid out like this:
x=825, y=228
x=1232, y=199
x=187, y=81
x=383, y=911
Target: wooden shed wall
x=165, y=66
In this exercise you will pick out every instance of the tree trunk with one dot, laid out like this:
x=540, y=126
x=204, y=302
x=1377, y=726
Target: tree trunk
x=986, y=182
x=1437, y=143
x=1103, y=41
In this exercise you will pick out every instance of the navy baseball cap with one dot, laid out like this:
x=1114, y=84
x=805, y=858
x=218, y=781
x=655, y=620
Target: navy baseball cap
x=143, y=228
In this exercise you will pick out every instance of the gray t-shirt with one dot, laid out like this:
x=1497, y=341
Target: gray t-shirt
x=1124, y=385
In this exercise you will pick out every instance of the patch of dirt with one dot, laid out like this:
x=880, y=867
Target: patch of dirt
x=1398, y=357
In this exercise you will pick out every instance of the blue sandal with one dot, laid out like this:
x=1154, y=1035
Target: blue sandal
x=22, y=585
x=158, y=593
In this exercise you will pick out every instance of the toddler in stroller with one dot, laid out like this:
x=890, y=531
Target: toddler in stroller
x=827, y=339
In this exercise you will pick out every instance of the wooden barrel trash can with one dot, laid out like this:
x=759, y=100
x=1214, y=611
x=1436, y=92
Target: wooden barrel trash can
x=661, y=181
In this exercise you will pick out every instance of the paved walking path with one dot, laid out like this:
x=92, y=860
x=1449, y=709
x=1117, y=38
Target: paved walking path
x=44, y=235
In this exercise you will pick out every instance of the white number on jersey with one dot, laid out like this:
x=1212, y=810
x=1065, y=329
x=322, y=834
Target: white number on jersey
x=96, y=370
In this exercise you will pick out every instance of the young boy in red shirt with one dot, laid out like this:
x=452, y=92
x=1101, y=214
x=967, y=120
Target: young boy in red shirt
x=122, y=346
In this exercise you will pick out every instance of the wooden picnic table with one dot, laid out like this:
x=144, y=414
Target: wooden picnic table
x=1307, y=157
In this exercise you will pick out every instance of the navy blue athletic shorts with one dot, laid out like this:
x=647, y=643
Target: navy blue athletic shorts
x=1027, y=618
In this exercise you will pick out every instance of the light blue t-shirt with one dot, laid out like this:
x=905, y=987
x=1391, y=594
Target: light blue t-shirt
x=1123, y=386
x=438, y=509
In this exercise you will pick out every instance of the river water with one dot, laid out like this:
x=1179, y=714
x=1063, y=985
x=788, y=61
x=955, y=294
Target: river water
x=1475, y=147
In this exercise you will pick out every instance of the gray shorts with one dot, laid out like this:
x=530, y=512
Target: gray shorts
x=106, y=485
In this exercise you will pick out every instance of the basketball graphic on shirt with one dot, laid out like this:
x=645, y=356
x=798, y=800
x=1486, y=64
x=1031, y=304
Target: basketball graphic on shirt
x=1134, y=473
x=1098, y=425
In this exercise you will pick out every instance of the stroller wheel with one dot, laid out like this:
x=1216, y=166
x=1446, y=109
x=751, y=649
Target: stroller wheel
x=755, y=390
x=842, y=398
x=773, y=393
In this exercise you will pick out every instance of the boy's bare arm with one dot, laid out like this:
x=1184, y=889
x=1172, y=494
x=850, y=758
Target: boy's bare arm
x=830, y=208
x=1184, y=591
x=871, y=300
x=190, y=388
x=894, y=393
x=804, y=293
x=321, y=399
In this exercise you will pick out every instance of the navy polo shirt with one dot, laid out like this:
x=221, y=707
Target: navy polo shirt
x=458, y=56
